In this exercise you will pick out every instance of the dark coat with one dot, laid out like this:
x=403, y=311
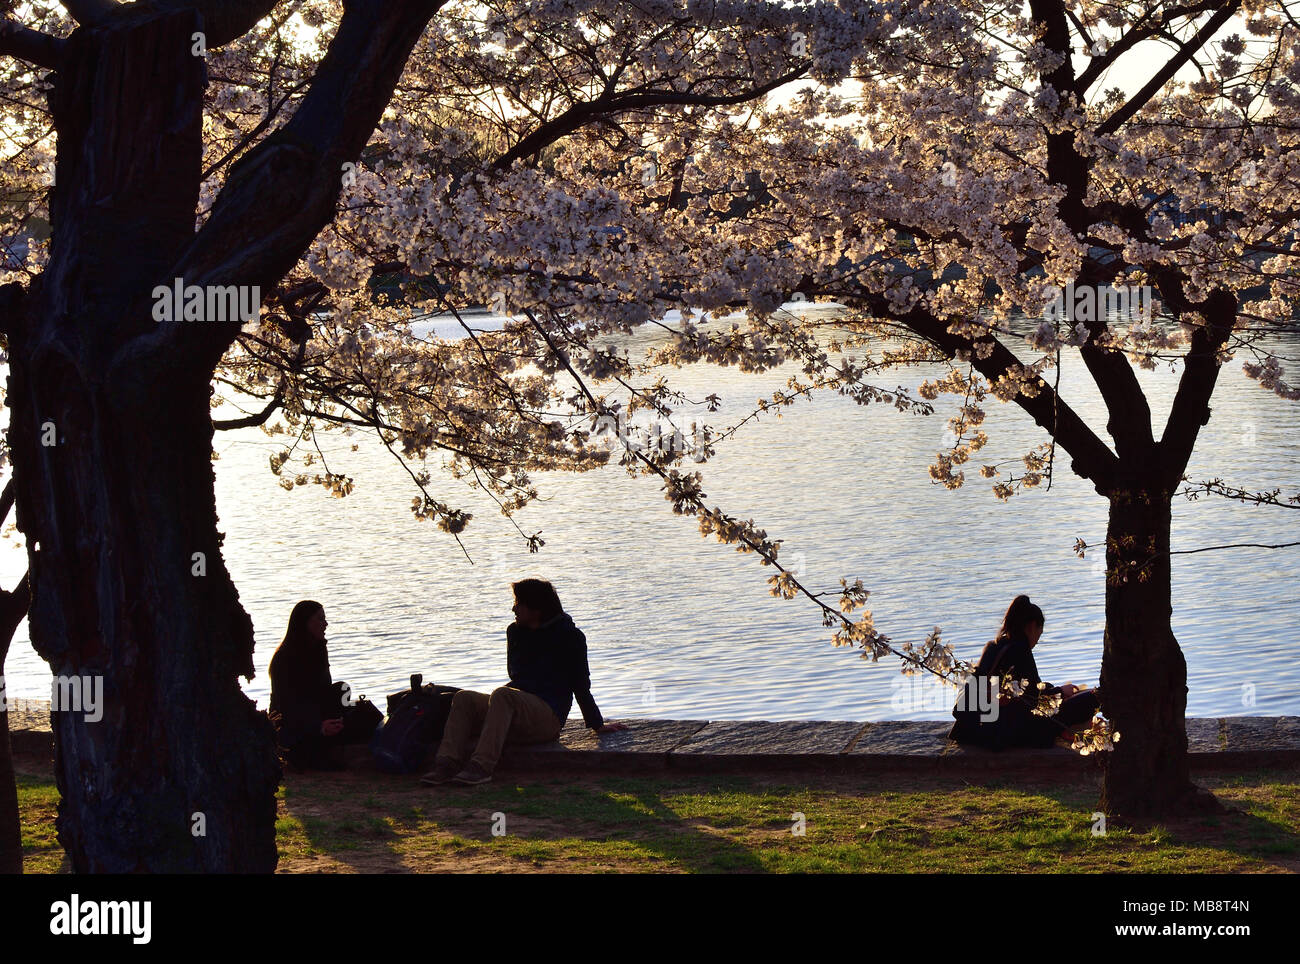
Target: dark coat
x=551, y=662
x=301, y=692
x=1016, y=723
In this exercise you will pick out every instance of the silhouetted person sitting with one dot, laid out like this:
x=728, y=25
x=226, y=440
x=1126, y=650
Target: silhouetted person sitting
x=1011, y=721
x=311, y=717
x=546, y=659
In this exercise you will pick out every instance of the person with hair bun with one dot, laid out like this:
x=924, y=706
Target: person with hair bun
x=1009, y=656
x=546, y=659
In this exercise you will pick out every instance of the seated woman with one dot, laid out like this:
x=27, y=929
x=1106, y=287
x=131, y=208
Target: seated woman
x=1011, y=722
x=311, y=715
x=546, y=659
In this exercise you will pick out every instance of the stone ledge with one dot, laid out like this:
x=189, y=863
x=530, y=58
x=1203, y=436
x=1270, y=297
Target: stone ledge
x=738, y=745
x=645, y=745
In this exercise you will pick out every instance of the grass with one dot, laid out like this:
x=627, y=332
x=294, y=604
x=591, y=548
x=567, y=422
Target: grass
x=698, y=823
x=38, y=805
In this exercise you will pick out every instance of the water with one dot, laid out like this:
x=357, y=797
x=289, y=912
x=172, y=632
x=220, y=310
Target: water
x=680, y=627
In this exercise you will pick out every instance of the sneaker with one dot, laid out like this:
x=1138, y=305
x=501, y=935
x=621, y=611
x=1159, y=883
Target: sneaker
x=472, y=775
x=442, y=772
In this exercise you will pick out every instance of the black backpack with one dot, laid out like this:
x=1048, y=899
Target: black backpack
x=416, y=718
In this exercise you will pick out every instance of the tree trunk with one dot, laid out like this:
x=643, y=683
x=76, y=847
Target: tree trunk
x=179, y=772
x=1143, y=673
x=11, y=835
x=112, y=462
x=13, y=607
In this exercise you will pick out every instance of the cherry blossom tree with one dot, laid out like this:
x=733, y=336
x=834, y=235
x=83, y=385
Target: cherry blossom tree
x=998, y=175
x=588, y=168
x=947, y=169
x=206, y=145
x=975, y=169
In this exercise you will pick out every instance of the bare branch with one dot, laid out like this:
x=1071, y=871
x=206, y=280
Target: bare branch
x=223, y=20
x=17, y=40
x=1191, y=407
x=247, y=421
x=90, y=12
x=1153, y=87
x=610, y=103
x=1237, y=494
x=1236, y=545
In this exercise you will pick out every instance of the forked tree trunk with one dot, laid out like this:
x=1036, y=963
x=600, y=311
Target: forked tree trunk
x=180, y=773
x=1143, y=673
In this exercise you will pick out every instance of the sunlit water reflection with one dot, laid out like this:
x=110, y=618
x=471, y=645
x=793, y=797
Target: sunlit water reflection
x=680, y=627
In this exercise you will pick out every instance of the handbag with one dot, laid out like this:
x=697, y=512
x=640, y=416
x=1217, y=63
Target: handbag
x=360, y=720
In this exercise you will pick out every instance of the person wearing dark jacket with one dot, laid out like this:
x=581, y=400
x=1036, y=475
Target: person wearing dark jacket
x=546, y=660
x=996, y=722
x=311, y=714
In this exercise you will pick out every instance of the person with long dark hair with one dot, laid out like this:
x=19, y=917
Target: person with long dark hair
x=986, y=717
x=312, y=715
x=546, y=660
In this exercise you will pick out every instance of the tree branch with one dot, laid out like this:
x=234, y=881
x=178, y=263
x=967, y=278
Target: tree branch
x=1100, y=64
x=1129, y=422
x=1090, y=457
x=1237, y=494
x=90, y=12
x=17, y=40
x=1191, y=407
x=283, y=192
x=248, y=421
x=223, y=20
x=613, y=103
x=13, y=607
x=1154, y=86
x=11, y=307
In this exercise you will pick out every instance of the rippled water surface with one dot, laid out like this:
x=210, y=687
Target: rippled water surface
x=682, y=627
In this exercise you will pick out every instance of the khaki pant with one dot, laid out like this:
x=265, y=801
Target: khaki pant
x=507, y=716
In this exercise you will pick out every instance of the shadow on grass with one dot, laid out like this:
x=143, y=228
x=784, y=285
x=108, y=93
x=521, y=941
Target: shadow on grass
x=1261, y=820
x=358, y=823
x=365, y=821
x=674, y=821
x=742, y=823
x=663, y=832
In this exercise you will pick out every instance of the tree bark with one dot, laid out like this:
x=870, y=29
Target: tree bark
x=1143, y=673
x=11, y=837
x=180, y=772
x=13, y=607
x=111, y=431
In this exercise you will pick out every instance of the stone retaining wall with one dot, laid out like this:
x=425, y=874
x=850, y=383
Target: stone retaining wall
x=736, y=745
